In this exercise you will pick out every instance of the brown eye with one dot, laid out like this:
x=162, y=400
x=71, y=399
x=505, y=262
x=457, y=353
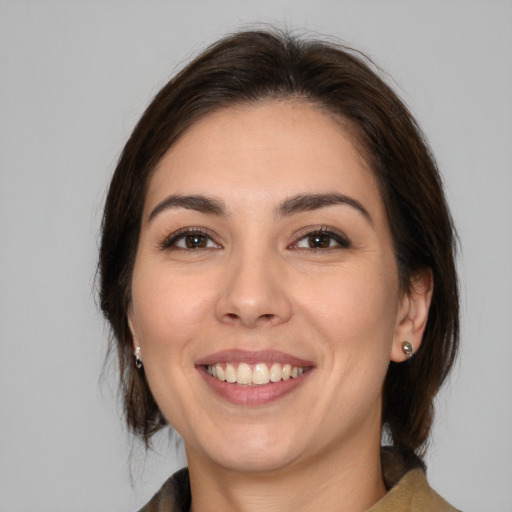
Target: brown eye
x=196, y=241
x=319, y=241
x=322, y=239
x=189, y=239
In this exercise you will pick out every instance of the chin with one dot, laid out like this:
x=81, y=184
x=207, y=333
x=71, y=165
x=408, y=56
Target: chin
x=253, y=449
x=255, y=461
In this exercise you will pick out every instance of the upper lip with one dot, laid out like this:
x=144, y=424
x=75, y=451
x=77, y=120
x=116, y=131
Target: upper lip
x=252, y=357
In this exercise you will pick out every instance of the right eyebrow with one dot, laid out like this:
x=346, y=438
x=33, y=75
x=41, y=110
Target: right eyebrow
x=308, y=202
x=200, y=203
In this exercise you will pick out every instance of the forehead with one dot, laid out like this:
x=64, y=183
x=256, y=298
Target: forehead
x=272, y=149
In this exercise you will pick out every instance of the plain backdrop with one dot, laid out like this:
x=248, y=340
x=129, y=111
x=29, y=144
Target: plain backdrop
x=75, y=76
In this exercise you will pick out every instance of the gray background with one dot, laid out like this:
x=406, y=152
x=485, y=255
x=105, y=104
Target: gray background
x=75, y=76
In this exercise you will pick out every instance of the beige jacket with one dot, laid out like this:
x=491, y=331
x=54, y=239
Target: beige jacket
x=408, y=490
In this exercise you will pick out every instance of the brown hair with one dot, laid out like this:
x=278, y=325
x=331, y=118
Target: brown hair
x=252, y=66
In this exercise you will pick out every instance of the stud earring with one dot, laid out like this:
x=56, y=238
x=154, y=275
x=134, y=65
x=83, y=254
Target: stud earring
x=407, y=349
x=138, y=361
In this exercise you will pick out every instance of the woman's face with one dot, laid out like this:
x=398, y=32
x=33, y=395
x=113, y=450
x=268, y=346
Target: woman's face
x=265, y=254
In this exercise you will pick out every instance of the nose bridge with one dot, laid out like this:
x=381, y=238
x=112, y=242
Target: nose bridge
x=253, y=293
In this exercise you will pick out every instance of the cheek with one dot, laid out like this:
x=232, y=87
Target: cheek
x=168, y=310
x=350, y=314
x=354, y=308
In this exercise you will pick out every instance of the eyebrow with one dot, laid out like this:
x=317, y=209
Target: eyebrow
x=307, y=202
x=200, y=203
x=293, y=205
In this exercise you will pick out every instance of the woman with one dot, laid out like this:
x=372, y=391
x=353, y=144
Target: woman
x=277, y=266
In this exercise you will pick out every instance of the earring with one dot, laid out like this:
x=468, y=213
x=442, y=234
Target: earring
x=407, y=349
x=138, y=361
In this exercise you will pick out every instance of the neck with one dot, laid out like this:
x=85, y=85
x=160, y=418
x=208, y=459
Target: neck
x=340, y=480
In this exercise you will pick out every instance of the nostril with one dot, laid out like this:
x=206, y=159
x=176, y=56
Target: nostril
x=247, y=319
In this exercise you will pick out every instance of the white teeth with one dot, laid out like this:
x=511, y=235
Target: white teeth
x=275, y=372
x=220, y=372
x=259, y=375
x=244, y=374
x=230, y=373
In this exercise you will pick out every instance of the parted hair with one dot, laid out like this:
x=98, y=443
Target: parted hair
x=254, y=66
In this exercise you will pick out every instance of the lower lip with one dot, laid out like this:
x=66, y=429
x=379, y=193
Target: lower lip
x=252, y=395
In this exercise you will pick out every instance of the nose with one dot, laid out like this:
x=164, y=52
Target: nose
x=254, y=291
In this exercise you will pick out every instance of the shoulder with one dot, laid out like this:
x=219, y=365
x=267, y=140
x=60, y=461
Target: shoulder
x=173, y=496
x=412, y=494
x=409, y=490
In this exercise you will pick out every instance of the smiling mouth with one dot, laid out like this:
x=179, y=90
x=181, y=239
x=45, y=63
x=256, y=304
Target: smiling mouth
x=259, y=374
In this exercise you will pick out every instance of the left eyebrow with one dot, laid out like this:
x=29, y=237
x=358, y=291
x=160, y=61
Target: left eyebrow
x=307, y=202
x=200, y=203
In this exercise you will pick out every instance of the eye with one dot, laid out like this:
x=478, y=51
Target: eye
x=190, y=239
x=322, y=239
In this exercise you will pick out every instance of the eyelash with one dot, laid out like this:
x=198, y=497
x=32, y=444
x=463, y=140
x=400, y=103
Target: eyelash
x=341, y=240
x=170, y=241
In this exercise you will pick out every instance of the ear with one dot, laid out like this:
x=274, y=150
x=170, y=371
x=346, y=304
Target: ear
x=413, y=314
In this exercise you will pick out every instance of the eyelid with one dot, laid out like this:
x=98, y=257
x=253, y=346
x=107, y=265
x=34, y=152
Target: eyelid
x=339, y=237
x=169, y=240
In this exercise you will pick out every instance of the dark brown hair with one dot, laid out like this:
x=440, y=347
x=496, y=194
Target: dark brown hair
x=252, y=66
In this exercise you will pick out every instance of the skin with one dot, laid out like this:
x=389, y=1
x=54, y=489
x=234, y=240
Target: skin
x=257, y=284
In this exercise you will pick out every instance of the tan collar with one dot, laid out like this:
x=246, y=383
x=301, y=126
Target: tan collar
x=412, y=494
x=408, y=489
